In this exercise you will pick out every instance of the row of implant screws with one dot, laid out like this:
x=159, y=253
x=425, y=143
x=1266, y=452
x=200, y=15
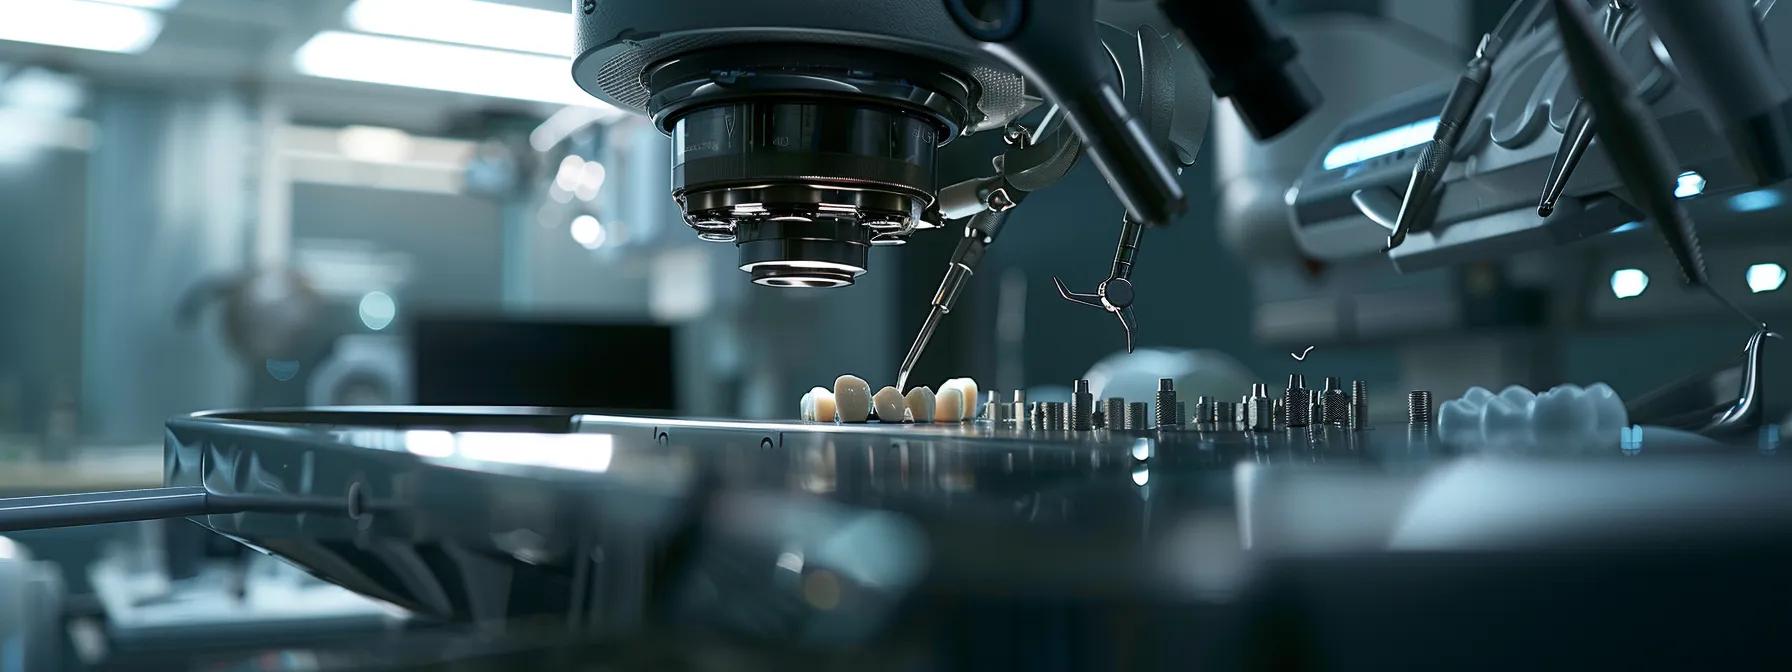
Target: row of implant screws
x=1256, y=411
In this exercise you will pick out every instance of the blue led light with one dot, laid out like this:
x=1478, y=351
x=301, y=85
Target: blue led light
x=1629, y=282
x=1759, y=199
x=1628, y=226
x=1765, y=277
x=1379, y=143
x=1689, y=184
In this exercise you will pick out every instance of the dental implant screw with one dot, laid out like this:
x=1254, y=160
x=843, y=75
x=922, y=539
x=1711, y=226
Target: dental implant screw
x=1017, y=409
x=1137, y=416
x=1098, y=419
x=1059, y=416
x=1166, y=402
x=1181, y=412
x=1334, y=403
x=1418, y=408
x=1259, y=412
x=1082, y=405
x=1114, y=410
x=1359, y=405
x=1297, y=407
x=1035, y=416
x=1222, y=413
x=1203, y=409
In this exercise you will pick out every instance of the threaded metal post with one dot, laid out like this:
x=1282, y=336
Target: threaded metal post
x=1115, y=410
x=1137, y=416
x=1082, y=405
x=1297, y=407
x=1057, y=416
x=1166, y=402
x=1418, y=408
x=1359, y=405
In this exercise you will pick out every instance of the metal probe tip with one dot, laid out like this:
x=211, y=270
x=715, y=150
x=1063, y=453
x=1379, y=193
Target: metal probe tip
x=914, y=351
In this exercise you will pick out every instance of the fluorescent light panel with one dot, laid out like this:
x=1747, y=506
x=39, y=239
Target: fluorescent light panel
x=79, y=24
x=1380, y=143
x=483, y=24
x=1755, y=201
x=443, y=67
x=146, y=4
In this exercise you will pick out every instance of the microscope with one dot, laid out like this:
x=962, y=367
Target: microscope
x=805, y=133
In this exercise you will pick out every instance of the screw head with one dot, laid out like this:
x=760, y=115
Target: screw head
x=589, y=6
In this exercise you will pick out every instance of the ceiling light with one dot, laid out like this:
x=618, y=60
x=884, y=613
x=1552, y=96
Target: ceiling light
x=588, y=232
x=1689, y=184
x=377, y=310
x=1766, y=277
x=146, y=4
x=1629, y=282
x=562, y=124
x=482, y=24
x=591, y=178
x=442, y=67
x=80, y=24
x=374, y=144
x=567, y=177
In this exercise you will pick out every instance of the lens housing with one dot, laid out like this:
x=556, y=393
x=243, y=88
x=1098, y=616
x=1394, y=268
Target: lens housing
x=804, y=167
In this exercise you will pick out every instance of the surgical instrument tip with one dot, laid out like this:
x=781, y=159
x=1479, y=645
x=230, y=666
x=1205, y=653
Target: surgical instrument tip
x=920, y=344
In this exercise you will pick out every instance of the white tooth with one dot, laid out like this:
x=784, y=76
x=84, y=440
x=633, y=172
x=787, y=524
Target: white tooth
x=1518, y=395
x=888, y=404
x=949, y=405
x=920, y=404
x=951, y=384
x=811, y=403
x=1506, y=425
x=824, y=404
x=967, y=394
x=967, y=390
x=852, y=396
x=1609, y=410
x=1459, y=421
x=1478, y=395
x=1563, y=419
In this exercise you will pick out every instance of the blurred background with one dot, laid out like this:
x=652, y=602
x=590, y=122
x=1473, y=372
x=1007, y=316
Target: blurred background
x=251, y=203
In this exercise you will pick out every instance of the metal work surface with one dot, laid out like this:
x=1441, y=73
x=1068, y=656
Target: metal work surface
x=892, y=537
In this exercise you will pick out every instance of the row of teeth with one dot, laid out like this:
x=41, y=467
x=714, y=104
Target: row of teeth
x=1565, y=417
x=851, y=400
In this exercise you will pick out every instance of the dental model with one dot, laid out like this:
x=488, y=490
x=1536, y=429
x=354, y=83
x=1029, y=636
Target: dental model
x=967, y=395
x=1565, y=418
x=888, y=404
x=852, y=397
x=818, y=405
x=920, y=404
x=949, y=405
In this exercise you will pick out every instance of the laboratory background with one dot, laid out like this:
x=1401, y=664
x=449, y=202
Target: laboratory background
x=352, y=290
